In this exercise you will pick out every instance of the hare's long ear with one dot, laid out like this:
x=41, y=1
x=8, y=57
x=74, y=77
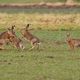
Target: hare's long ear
x=27, y=26
x=13, y=27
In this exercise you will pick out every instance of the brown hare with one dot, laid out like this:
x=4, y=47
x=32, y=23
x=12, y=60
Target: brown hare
x=5, y=37
x=7, y=34
x=14, y=40
x=30, y=37
x=72, y=42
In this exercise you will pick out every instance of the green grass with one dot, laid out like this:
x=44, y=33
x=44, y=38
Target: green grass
x=40, y=10
x=51, y=62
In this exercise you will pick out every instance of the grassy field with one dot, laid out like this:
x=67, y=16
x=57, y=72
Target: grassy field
x=40, y=10
x=51, y=62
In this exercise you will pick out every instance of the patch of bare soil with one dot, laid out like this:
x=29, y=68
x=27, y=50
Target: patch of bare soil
x=39, y=5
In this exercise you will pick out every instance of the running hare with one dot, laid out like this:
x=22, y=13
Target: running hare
x=30, y=37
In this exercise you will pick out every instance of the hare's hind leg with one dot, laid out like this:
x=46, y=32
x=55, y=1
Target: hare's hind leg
x=33, y=46
x=37, y=46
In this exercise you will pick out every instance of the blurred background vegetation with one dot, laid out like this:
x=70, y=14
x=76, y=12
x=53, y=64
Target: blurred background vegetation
x=35, y=1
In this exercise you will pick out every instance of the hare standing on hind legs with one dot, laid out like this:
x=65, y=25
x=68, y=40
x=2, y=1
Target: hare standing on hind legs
x=9, y=36
x=30, y=37
x=5, y=37
x=72, y=42
x=15, y=41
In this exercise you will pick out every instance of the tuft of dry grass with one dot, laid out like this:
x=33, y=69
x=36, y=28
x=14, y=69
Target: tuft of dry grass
x=43, y=21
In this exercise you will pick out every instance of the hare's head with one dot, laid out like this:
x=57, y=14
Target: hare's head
x=11, y=29
x=68, y=34
x=10, y=32
x=68, y=37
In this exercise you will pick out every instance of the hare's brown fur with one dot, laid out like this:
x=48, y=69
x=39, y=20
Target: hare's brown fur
x=30, y=37
x=72, y=42
x=17, y=42
x=5, y=36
